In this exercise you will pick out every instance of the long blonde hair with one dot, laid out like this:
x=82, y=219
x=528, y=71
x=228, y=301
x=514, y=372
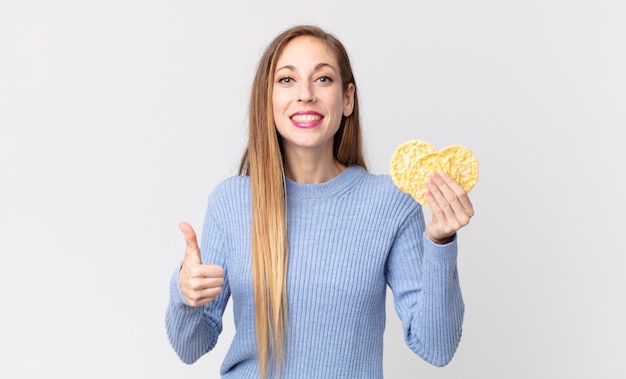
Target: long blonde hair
x=263, y=161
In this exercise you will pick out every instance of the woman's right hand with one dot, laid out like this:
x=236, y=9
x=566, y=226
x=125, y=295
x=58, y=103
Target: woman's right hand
x=199, y=283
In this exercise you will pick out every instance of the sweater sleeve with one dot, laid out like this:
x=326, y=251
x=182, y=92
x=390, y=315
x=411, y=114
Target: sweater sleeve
x=423, y=278
x=193, y=331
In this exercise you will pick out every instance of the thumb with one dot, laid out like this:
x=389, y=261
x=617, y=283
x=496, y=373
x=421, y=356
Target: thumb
x=192, y=250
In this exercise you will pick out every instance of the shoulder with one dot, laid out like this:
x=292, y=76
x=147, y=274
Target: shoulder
x=380, y=189
x=232, y=190
x=382, y=183
x=237, y=183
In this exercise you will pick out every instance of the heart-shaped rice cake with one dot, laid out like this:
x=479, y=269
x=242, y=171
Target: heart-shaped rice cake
x=414, y=161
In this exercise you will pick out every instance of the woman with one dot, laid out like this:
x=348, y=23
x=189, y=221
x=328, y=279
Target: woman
x=305, y=240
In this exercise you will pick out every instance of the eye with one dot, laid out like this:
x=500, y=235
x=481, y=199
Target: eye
x=325, y=79
x=285, y=80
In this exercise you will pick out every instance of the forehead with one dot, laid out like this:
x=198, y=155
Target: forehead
x=306, y=49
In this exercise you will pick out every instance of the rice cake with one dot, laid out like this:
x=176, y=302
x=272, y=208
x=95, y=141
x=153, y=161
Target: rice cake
x=413, y=162
x=404, y=159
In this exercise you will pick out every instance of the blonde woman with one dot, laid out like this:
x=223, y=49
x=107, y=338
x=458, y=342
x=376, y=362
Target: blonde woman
x=305, y=241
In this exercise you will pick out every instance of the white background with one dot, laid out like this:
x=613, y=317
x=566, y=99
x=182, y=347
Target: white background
x=117, y=118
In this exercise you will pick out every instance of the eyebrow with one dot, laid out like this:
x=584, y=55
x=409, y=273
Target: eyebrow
x=317, y=67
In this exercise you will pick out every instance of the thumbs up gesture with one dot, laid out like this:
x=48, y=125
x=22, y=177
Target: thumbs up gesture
x=199, y=283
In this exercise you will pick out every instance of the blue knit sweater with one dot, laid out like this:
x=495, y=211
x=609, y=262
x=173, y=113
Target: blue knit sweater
x=349, y=238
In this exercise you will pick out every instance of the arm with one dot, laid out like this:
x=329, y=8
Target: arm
x=198, y=295
x=424, y=280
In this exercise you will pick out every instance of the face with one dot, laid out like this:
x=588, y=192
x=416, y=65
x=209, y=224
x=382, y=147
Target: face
x=308, y=100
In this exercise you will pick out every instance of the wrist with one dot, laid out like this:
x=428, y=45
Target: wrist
x=441, y=241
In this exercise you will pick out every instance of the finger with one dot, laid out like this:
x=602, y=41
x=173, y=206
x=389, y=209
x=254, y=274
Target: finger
x=458, y=191
x=442, y=194
x=206, y=271
x=192, y=250
x=202, y=297
x=447, y=196
x=202, y=290
x=443, y=225
x=203, y=283
x=439, y=215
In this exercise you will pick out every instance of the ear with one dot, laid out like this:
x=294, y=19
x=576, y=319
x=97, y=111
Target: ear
x=348, y=100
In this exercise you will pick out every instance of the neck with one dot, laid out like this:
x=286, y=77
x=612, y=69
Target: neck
x=306, y=167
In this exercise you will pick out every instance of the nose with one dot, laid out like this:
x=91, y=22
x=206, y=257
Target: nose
x=306, y=94
x=308, y=99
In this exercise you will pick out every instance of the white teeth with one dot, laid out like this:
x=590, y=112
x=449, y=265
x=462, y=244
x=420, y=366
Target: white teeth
x=306, y=118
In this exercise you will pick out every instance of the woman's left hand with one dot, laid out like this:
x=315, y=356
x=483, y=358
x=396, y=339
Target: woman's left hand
x=450, y=206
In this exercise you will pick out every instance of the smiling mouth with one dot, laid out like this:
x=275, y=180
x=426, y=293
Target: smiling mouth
x=306, y=118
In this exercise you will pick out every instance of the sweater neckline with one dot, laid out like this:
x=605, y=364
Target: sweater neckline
x=345, y=180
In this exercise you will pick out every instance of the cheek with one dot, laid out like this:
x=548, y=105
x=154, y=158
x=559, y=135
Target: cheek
x=338, y=107
x=280, y=102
